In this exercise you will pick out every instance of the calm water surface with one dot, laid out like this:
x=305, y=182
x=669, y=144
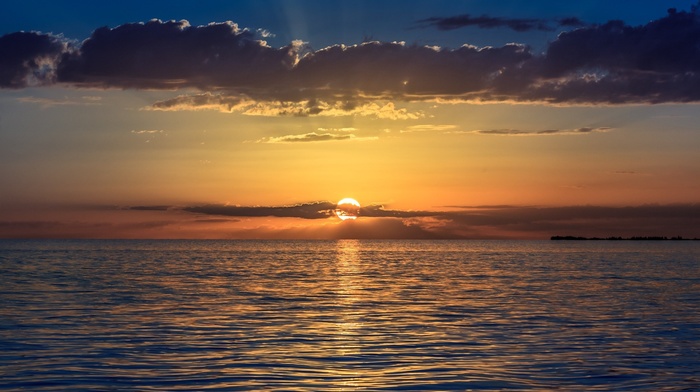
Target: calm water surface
x=349, y=315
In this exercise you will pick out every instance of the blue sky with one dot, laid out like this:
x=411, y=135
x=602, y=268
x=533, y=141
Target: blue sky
x=323, y=23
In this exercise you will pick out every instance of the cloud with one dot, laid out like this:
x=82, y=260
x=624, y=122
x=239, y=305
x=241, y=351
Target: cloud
x=237, y=71
x=148, y=134
x=396, y=70
x=243, y=104
x=305, y=108
x=205, y=101
x=591, y=221
x=347, y=129
x=160, y=54
x=309, y=210
x=626, y=172
x=310, y=137
x=470, y=221
x=428, y=128
x=492, y=22
x=147, y=131
x=51, y=102
x=378, y=211
x=313, y=210
x=542, y=222
x=29, y=59
x=316, y=220
x=546, y=132
x=323, y=135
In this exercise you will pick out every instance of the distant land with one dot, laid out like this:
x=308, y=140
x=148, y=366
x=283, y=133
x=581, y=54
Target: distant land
x=574, y=238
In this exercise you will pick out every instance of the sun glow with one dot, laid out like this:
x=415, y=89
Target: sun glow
x=347, y=208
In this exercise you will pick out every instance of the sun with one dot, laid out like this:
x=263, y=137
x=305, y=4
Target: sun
x=347, y=209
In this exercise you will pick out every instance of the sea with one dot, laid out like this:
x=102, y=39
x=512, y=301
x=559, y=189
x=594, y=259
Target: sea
x=169, y=315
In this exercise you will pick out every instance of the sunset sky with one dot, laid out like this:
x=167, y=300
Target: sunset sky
x=444, y=119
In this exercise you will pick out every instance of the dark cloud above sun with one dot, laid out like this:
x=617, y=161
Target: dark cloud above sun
x=606, y=63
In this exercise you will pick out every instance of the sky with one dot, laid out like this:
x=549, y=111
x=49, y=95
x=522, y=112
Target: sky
x=251, y=119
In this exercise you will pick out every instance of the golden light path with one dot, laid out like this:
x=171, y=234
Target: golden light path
x=347, y=208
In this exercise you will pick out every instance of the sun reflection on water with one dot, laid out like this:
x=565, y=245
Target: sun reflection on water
x=349, y=323
x=344, y=315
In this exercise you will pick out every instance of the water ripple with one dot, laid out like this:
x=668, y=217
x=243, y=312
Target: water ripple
x=349, y=315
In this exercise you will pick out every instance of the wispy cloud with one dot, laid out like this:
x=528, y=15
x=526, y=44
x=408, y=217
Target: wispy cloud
x=314, y=137
x=346, y=129
x=147, y=131
x=546, y=132
x=51, y=102
x=429, y=128
x=492, y=22
x=626, y=172
x=149, y=134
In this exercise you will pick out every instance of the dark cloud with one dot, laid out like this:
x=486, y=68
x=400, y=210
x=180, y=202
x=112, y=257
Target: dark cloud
x=168, y=54
x=517, y=215
x=488, y=221
x=395, y=70
x=314, y=210
x=666, y=45
x=377, y=222
x=310, y=210
x=28, y=59
x=378, y=211
x=492, y=22
x=611, y=63
x=571, y=21
x=590, y=221
x=616, y=63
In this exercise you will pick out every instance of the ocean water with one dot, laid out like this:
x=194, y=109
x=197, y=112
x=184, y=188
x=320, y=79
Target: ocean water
x=349, y=315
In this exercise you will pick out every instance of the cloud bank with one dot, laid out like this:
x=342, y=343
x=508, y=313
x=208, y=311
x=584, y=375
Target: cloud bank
x=315, y=220
x=236, y=70
x=479, y=221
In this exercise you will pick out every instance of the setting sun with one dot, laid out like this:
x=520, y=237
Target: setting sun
x=347, y=208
